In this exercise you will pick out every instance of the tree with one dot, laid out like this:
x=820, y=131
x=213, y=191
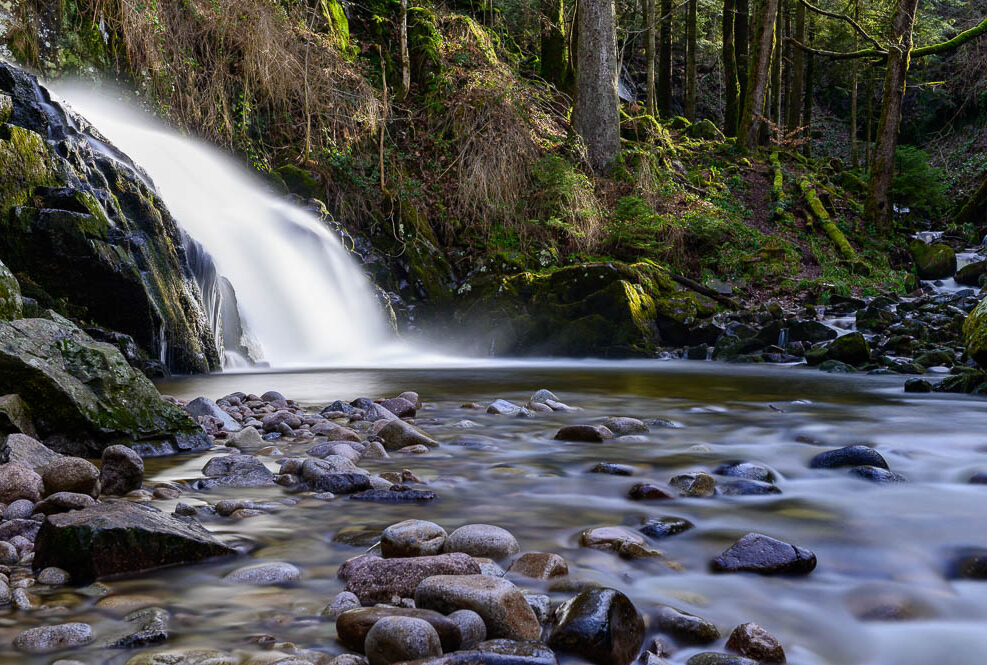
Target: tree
x=554, y=59
x=595, y=115
x=759, y=71
x=690, y=60
x=403, y=46
x=794, y=120
x=731, y=86
x=741, y=46
x=665, y=60
x=649, y=53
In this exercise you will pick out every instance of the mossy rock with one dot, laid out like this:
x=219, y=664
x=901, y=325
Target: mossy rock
x=6, y=108
x=83, y=394
x=10, y=295
x=301, y=182
x=704, y=129
x=852, y=349
x=25, y=165
x=932, y=261
x=972, y=273
x=425, y=44
x=975, y=333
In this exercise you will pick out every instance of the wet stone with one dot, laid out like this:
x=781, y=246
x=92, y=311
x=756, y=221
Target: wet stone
x=353, y=625
x=471, y=628
x=745, y=487
x=663, y=527
x=856, y=455
x=504, y=609
x=876, y=474
x=584, y=433
x=150, y=626
x=539, y=566
x=376, y=580
x=648, y=492
x=612, y=469
x=599, y=625
x=697, y=484
x=501, y=407
x=752, y=641
x=683, y=627
x=412, y=538
x=757, y=553
x=264, y=574
x=395, y=494
x=714, y=658
x=746, y=470
x=483, y=540
x=624, y=426
x=340, y=603
x=46, y=639
x=394, y=639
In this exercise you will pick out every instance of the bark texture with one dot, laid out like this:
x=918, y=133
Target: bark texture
x=757, y=79
x=595, y=116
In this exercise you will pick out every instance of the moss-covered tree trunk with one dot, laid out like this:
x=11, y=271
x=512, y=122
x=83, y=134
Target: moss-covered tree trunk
x=794, y=120
x=690, y=61
x=665, y=60
x=595, y=116
x=776, y=72
x=882, y=167
x=554, y=59
x=742, y=47
x=810, y=79
x=759, y=71
x=731, y=87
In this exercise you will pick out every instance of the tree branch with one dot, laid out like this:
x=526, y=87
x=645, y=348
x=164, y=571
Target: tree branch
x=838, y=55
x=955, y=42
x=843, y=17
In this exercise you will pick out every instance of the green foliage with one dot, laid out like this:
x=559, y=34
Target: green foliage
x=565, y=201
x=918, y=185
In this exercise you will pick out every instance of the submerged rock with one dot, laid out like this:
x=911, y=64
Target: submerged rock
x=121, y=537
x=856, y=455
x=757, y=553
x=46, y=639
x=265, y=574
x=685, y=628
x=599, y=625
x=584, y=433
x=752, y=641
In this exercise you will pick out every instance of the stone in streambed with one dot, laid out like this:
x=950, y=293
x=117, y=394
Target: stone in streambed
x=394, y=639
x=412, y=538
x=19, y=482
x=205, y=407
x=612, y=469
x=264, y=574
x=852, y=349
x=472, y=630
x=752, y=641
x=504, y=609
x=715, y=658
x=353, y=625
x=648, y=492
x=121, y=471
x=624, y=426
x=482, y=540
x=397, y=434
x=539, y=566
x=757, y=553
x=400, y=407
x=746, y=470
x=62, y=502
x=685, y=628
x=376, y=580
x=876, y=474
x=599, y=625
x=663, y=527
x=247, y=440
x=395, y=494
x=15, y=417
x=121, y=537
x=46, y=639
x=342, y=602
x=696, y=484
x=496, y=652
x=584, y=433
x=856, y=455
x=745, y=487
x=501, y=407
x=148, y=626
x=27, y=452
x=71, y=474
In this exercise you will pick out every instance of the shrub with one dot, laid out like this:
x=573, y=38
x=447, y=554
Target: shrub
x=917, y=185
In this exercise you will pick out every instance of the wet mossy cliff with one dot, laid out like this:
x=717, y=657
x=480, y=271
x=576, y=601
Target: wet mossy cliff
x=608, y=309
x=84, y=233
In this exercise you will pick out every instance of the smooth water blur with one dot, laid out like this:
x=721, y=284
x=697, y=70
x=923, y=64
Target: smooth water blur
x=301, y=296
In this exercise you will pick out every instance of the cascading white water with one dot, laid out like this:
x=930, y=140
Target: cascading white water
x=301, y=296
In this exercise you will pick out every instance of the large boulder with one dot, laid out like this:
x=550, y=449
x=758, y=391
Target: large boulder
x=121, y=537
x=15, y=417
x=86, y=233
x=10, y=295
x=975, y=333
x=26, y=451
x=601, y=309
x=932, y=261
x=83, y=394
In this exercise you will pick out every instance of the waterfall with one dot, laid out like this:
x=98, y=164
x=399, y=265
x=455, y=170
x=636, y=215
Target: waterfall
x=300, y=298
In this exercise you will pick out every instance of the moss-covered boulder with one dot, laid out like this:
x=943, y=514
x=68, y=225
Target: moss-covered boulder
x=704, y=129
x=84, y=396
x=851, y=349
x=595, y=309
x=932, y=261
x=301, y=182
x=10, y=295
x=121, y=537
x=975, y=333
x=971, y=273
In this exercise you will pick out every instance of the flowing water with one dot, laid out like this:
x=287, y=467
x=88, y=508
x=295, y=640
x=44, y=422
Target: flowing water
x=877, y=545
x=301, y=297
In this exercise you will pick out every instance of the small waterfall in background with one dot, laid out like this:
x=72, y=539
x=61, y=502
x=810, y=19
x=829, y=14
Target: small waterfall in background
x=283, y=290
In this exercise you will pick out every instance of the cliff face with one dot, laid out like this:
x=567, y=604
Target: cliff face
x=84, y=232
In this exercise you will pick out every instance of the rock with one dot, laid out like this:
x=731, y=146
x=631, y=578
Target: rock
x=264, y=574
x=503, y=607
x=120, y=537
x=970, y=274
x=472, y=630
x=501, y=407
x=968, y=563
x=203, y=406
x=697, y=484
x=496, y=652
x=876, y=474
x=412, y=538
x=376, y=580
x=27, y=452
x=714, y=658
x=273, y=421
x=46, y=639
x=121, y=471
x=744, y=487
x=353, y=626
x=543, y=396
x=975, y=333
x=334, y=474
x=584, y=433
x=932, y=261
x=16, y=531
x=851, y=348
x=343, y=602
x=757, y=553
x=624, y=426
x=746, y=470
x=610, y=538
x=856, y=455
x=62, y=502
x=247, y=440
x=19, y=482
x=612, y=469
x=235, y=471
x=187, y=657
x=412, y=397
x=148, y=626
x=754, y=642
x=54, y=577
x=71, y=474
x=685, y=628
x=539, y=566
x=482, y=540
x=19, y=510
x=599, y=625
x=398, y=434
x=663, y=527
x=648, y=492
x=10, y=290
x=91, y=396
x=394, y=639
x=395, y=494
x=400, y=407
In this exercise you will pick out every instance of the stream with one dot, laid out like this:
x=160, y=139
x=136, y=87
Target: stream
x=880, y=594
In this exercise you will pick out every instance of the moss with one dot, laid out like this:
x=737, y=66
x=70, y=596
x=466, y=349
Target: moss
x=10, y=295
x=24, y=164
x=6, y=108
x=975, y=333
x=339, y=25
x=827, y=224
x=300, y=182
x=425, y=44
x=932, y=261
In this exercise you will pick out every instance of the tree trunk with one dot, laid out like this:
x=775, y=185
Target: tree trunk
x=776, y=72
x=554, y=60
x=403, y=45
x=665, y=60
x=810, y=73
x=798, y=72
x=649, y=53
x=854, y=154
x=882, y=171
x=731, y=87
x=741, y=45
x=595, y=116
x=690, y=64
x=757, y=78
